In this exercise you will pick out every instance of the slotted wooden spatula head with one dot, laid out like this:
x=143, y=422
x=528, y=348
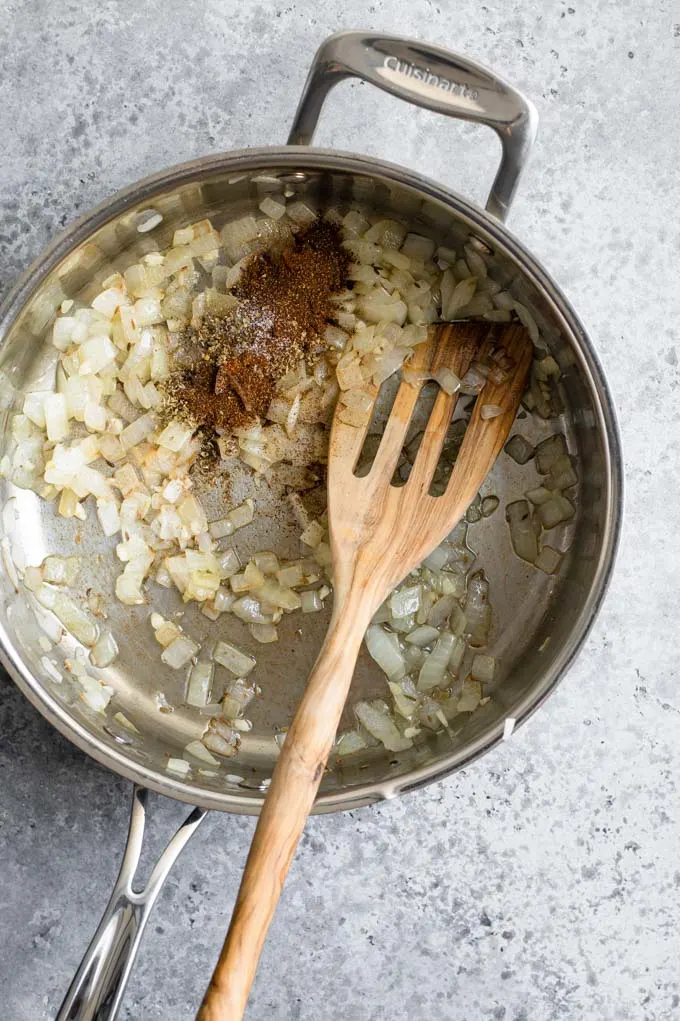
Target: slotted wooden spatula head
x=379, y=532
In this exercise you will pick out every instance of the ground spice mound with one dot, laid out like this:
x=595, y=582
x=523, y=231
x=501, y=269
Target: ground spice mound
x=283, y=306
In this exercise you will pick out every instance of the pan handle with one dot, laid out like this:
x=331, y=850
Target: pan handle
x=97, y=989
x=433, y=78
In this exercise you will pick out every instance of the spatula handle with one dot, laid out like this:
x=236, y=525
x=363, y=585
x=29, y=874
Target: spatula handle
x=289, y=801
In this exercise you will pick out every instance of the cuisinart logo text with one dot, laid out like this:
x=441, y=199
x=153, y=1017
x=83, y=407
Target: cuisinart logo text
x=423, y=74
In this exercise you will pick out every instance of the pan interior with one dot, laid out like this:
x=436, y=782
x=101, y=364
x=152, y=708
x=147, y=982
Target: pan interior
x=534, y=615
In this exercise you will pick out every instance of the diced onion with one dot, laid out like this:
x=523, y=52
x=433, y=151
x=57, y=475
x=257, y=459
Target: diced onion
x=522, y=530
x=405, y=601
x=197, y=750
x=548, y=451
x=384, y=649
x=264, y=633
x=548, y=560
x=434, y=669
x=470, y=696
x=350, y=743
x=59, y=570
x=199, y=684
x=477, y=610
x=235, y=661
x=375, y=717
x=56, y=417
x=311, y=601
x=179, y=652
x=422, y=636
x=104, y=650
x=555, y=510
x=483, y=668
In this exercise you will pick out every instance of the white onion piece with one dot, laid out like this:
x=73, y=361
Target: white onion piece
x=266, y=561
x=441, y=610
x=457, y=655
x=33, y=576
x=477, y=610
x=404, y=705
x=104, y=650
x=313, y=534
x=405, y=601
x=457, y=621
x=538, y=495
x=137, y=431
x=434, y=669
x=437, y=559
x=221, y=745
x=291, y=575
x=235, y=661
x=548, y=560
x=448, y=380
x=301, y=214
x=490, y=411
x=174, y=436
x=284, y=598
x=374, y=716
x=95, y=693
x=197, y=750
x=34, y=408
x=275, y=208
x=462, y=293
x=519, y=449
x=470, y=696
x=242, y=515
x=522, y=531
x=109, y=519
x=222, y=528
x=71, y=616
x=179, y=652
x=179, y=766
x=384, y=649
x=264, y=633
x=562, y=474
x=556, y=510
x=311, y=601
x=249, y=610
x=237, y=697
x=483, y=668
x=199, y=684
x=56, y=418
x=58, y=570
x=548, y=451
x=422, y=636
x=349, y=743
x=527, y=319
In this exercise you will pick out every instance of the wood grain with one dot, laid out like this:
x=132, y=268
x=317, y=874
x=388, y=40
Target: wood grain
x=378, y=534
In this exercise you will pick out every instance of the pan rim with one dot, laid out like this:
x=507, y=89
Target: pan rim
x=305, y=158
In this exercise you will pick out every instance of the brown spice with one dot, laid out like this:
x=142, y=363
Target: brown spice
x=236, y=360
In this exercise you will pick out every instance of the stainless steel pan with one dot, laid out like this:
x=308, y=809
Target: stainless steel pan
x=540, y=622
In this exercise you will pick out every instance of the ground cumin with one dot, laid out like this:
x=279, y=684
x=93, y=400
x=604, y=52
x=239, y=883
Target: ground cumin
x=235, y=360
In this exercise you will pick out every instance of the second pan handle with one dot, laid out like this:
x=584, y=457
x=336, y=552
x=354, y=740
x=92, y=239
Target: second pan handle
x=433, y=78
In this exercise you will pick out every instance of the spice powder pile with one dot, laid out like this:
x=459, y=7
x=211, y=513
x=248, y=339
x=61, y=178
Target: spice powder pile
x=236, y=359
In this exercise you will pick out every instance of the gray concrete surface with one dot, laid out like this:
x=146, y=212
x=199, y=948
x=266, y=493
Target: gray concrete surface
x=544, y=882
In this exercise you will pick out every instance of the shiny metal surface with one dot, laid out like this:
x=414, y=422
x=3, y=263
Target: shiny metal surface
x=433, y=78
x=99, y=984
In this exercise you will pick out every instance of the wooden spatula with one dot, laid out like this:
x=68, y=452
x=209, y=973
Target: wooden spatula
x=378, y=533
